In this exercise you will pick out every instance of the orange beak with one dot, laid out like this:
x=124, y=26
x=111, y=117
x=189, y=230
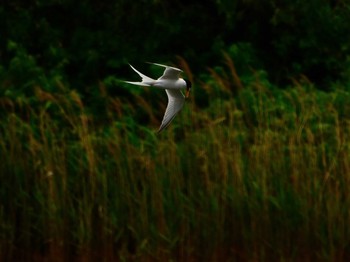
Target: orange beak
x=187, y=94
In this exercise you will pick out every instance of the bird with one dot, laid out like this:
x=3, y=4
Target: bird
x=173, y=84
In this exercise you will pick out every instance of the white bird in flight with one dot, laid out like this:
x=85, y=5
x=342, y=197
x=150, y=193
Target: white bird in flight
x=173, y=84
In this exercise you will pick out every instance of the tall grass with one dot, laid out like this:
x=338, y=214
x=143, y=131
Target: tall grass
x=256, y=174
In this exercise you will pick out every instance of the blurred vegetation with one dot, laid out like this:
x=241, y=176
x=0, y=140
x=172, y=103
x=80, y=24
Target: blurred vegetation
x=88, y=41
x=255, y=174
x=255, y=168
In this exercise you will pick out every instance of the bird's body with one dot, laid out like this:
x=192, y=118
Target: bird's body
x=173, y=84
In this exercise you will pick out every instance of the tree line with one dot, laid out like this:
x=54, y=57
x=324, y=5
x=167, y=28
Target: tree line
x=86, y=41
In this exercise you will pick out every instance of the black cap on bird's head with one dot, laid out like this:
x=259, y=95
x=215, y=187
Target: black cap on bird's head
x=188, y=87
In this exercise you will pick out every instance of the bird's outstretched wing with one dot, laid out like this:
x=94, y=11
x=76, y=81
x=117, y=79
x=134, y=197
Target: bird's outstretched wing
x=176, y=101
x=171, y=73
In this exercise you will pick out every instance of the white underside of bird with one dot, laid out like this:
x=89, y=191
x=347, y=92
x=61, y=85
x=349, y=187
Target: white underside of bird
x=173, y=84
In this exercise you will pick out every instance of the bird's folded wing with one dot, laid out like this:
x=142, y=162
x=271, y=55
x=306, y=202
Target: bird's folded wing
x=176, y=101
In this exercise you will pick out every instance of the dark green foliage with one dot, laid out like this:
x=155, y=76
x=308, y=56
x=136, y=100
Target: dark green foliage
x=89, y=40
x=311, y=38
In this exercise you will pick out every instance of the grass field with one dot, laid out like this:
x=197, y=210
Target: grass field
x=253, y=173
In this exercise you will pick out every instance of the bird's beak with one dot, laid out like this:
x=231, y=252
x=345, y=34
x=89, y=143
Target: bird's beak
x=187, y=94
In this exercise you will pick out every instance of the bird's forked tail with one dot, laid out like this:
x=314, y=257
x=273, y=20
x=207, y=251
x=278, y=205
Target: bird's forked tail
x=146, y=81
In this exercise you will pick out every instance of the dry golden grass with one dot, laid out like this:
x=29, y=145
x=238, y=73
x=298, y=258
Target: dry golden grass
x=259, y=175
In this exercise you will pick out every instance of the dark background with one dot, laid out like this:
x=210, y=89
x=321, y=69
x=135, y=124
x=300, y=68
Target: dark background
x=84, y=42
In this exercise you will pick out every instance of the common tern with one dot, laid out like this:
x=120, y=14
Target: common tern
x=173, y=84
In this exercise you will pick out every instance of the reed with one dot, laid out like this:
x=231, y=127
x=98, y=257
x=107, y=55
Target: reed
x=258, y=174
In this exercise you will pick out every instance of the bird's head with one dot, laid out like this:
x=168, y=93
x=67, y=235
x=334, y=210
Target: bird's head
x=188, y=88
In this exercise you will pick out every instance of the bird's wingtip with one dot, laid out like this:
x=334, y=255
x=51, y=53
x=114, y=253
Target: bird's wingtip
x=157, y=64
